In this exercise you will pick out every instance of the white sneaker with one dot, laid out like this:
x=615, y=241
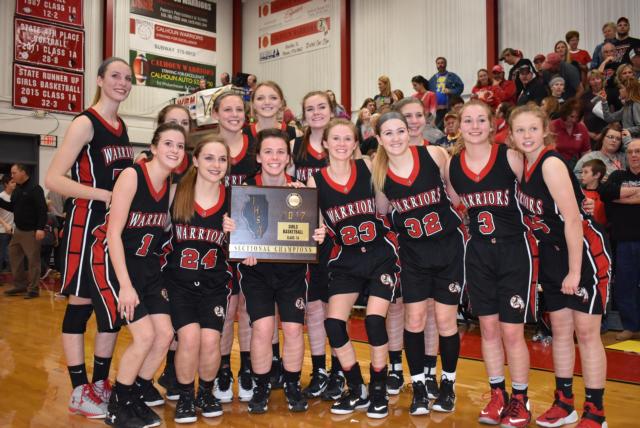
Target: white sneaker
x=245, y=386
x=222, y=386
x=103, y=389
x=84, y=401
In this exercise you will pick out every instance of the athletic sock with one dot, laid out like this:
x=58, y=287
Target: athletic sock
x=430, y=362
x=497, y=382
x=449, y=352
x=245, y=361
x=276, y=350
x=519, y=388
x=78, y=375
x=170, y=359
x=335, y=364
x=291, y=376
x=594, y=396
x=205, y=384
x=225, y=361
x=395, y=357
x=101, y=368
x=414, y=350
x=319, y=362
x=565, y=384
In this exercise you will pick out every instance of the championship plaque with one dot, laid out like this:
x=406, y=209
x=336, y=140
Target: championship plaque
x=274, y=224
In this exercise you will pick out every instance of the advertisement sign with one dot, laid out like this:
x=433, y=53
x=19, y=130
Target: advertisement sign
x=200, y=104
x=45, y=89
x=299, y=39
x=199, y=14
x=66, y=12
x=168, y=73
x=279, y=13
x=48, y=44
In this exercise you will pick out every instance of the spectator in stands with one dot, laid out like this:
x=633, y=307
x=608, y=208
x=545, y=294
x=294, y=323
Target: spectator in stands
x=30, y=216
x=456, y=102
x=562, y=48
x=385, y=95
x=634, y=56
x=624, y=43
x=578, y=56
x=556, y=86
x=338, y=110
x=445, y=84
x=538, y=60
x=508, y=86
x=451, y=130
x=225, y=79
x=368, y=146
x=551, y=107
x=515, y=59
x=49, y=242
x=554, y=65
x=428, y=98
x=629, y=115
x=609, y=63
x=6, y=224
x=609, y=33
x=594, y=123
x=608, y=149
x=592, y=174
x=621, y=194
x=363, y=125
x=252, y=82
x=369, y=104
x=532, y=88
x=572, y=137
x=486, y=90
x=398, y=94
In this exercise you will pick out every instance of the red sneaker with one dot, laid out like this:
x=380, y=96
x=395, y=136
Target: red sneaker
x=492, y=413
x=517, y=413
x=592, y=417
x=561, y=412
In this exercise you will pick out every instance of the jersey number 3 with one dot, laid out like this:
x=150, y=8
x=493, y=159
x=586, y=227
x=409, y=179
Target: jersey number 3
x=485, y=223
x=366, y=232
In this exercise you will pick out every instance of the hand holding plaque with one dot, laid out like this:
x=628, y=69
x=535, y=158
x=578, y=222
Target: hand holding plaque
x=275, y=224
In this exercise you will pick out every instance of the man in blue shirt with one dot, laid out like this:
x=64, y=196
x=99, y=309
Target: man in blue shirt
x=444, y=83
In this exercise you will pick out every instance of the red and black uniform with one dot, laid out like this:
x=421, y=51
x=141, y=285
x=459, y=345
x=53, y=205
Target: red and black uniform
x=141, y=236
x=251, y=131
x=364, y=255
x=307, y=164
x=264, y=284
x=196, y=268
x=544, y=219
x=430, y=233
x=501, y=256
x=97, y=165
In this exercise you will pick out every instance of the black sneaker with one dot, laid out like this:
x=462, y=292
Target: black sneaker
x=446, y=401
x=335, y=387
x=293, y=394
x=260, y=399
x=395, y=381
x=378, y=401
x=222, y=385
x=432, y=387
x=186, y=409
x=168, y=381
x=277, y=374
x=420, y=401
x=351, y=400
x=122, y=414
x=151, y=396
x=209, y=405
x=319, y=381
x=149, y=417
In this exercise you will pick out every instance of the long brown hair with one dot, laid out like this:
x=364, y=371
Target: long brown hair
x=162, y=114
x=537, y=111
x=184, y=200
x=302, y=153
x=381, y=160
x=387, y=82
x=102, y=71
x=459, y=145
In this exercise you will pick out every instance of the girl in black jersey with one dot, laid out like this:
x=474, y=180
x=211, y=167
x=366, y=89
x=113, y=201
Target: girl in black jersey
x=499, y=260
x=431, y=249
x=228, y=109
x=267, y=102
x=364, y=258
x=95, y=148
x=574, y=268
x=199, y=276
x=123, y=256
x=266, y=285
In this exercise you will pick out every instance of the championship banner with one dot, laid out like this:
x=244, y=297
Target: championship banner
x=157, y=38
x=168, y=73
x=278, y=13
x=198, y=14
x=45, y=89
x=48, y=45
x=66, y=12
x=303, y=38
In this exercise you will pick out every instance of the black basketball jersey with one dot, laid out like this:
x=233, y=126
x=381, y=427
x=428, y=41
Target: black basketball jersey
x=196, y=251
x=252, y=132
x=542, y=214
x=244, y=164
x=420, y=207
x=489, y=196
x=147, y=218
x=103, y=158
x=256, y=180
x=308, y=163
x=349, y=210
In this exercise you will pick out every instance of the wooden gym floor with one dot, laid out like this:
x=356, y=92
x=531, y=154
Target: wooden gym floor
x=35, y=387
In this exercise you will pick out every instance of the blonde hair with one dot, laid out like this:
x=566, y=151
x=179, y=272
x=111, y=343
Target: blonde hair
x=338, y=122
x=387, y=82
x=459, y=145
x=567, y=55
x=184, y=200
x=381, y=160
x=533, y=109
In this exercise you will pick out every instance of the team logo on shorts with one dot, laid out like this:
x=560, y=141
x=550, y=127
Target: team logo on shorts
x=455, y=288
x=386, y=279
x=583, y=293
x=516, y=302
x=165, y=294
x=294, y=200
x=219, y=311
x=300, y=303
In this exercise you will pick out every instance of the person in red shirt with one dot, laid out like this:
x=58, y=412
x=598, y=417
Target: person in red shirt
x=580, y=56
x=508, y=86
x=572, y=137
x=593, y=173
x=486, y=90
x=428, y=98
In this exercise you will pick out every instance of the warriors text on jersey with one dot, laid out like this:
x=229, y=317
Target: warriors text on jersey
x=196, y=249
x=489, y=196
x=307, y=163
x=103, y=158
